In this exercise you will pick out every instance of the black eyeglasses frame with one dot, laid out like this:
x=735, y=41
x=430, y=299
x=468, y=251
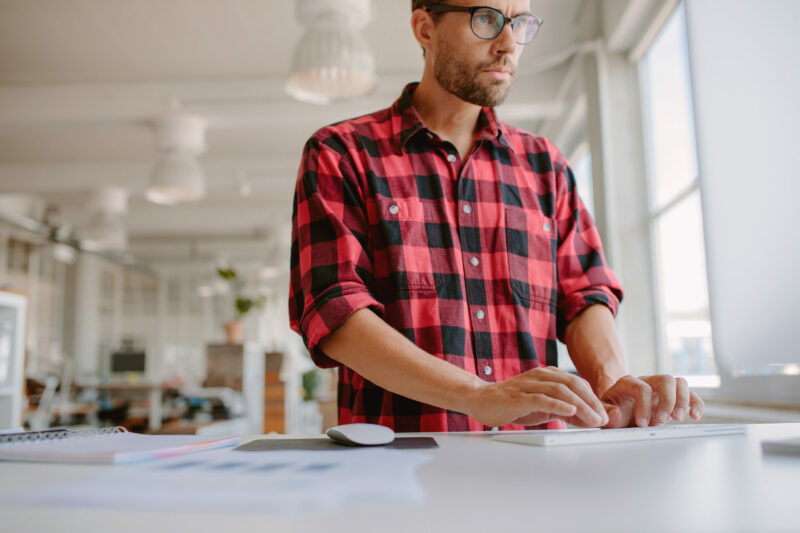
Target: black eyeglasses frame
x=438, y=9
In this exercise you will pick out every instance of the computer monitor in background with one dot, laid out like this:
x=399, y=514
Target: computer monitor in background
x=746, y=81
x=128, y=359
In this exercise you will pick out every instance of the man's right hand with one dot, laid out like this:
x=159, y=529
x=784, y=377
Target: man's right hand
x=535, y=397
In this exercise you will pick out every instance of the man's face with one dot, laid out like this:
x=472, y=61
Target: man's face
x=478, y=71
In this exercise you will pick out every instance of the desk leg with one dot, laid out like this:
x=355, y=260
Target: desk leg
x=154, y=421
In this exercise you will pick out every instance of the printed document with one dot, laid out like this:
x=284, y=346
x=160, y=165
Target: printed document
x=226, y=480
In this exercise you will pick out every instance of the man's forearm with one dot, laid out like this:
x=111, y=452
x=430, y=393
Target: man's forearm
x=594, y=348
x=368, y=345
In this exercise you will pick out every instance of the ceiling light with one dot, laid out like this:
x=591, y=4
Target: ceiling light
x=104, y=233
x=177, y=176
x=106, y=228
x=64, y=253
x=332, y=60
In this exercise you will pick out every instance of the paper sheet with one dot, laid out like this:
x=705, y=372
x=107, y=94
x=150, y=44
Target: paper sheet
x=225, y=480
x=108, y=447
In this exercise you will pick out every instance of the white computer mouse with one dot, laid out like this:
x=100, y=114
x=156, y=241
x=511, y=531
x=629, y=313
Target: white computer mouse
x=361, y=434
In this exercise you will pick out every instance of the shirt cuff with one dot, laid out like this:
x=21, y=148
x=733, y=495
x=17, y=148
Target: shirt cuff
x=329, y=311
x=575, y=303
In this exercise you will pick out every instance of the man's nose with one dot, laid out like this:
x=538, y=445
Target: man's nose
x=505, y=43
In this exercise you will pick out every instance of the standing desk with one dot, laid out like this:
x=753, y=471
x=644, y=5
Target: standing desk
x=475, y=484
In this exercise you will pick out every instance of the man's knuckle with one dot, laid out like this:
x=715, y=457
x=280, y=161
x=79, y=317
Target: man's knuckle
x=538, y=398
x=577, y=380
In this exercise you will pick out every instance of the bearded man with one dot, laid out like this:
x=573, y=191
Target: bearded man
x=438, y=254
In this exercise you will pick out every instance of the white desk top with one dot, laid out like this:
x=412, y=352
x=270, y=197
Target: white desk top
x=476, y=484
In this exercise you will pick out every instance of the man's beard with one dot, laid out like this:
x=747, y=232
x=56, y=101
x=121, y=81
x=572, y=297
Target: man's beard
x=462, y=79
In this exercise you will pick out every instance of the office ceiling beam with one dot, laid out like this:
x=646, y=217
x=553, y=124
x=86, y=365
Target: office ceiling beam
x=222, y=175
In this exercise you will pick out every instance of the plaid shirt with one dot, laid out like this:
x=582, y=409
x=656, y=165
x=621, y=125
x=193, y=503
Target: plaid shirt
x=481, y=263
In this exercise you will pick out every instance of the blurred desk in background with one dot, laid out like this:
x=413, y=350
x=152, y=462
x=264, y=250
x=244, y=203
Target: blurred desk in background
x=133, y=391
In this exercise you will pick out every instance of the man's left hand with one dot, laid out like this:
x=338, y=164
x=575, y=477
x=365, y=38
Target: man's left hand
x=650, y=401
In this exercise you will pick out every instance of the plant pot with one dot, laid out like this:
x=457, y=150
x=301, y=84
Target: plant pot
x=234, y=330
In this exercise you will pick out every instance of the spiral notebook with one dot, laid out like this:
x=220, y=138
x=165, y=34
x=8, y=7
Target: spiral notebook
x=102, y=446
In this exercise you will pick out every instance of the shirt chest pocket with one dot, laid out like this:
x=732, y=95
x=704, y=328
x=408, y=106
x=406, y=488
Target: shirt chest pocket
x=531, y=251
x=411, y=245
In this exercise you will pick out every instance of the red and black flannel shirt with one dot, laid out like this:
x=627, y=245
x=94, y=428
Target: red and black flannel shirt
x=480, y=263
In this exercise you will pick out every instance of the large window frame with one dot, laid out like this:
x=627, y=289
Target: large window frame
x=658, y=211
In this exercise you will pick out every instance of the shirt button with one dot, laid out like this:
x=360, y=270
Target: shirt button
x=474, y=261
x=546, y=226
x=487, y=370
x=451, y=158
x=467, y=209
x=393, y=209
x=480, y=314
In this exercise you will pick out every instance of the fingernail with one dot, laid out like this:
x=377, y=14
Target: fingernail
x=662, y=417
x=695, y=413
x=679, y=414
x=642, y=422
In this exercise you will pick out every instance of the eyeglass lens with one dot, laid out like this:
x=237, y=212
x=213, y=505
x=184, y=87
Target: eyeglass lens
x=487, y=23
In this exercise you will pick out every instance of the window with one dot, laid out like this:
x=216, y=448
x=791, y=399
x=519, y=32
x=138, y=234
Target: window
x=675, y=214
x=582, y=168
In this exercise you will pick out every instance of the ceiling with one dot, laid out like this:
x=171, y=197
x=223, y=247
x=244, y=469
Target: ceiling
x=82, y=80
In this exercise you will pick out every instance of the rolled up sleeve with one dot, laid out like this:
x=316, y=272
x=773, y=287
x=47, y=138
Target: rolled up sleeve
x=584, y=277
x=330, y=269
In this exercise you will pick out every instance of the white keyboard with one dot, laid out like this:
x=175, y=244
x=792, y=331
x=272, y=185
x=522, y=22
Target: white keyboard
x=564, y=437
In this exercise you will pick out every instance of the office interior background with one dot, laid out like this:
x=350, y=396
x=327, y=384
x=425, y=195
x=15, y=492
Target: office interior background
x=149, y=153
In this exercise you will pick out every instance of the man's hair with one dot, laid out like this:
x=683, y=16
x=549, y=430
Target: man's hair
x=422, y=4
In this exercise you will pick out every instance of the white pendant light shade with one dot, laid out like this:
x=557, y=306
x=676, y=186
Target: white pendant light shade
x=331, y=64
x=106, y=229
x=332, y=60
x=177, y=177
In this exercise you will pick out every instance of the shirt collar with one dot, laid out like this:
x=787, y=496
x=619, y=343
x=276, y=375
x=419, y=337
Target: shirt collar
x=410, y=123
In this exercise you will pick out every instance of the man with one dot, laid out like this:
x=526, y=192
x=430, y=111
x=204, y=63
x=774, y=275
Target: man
x=438, y=254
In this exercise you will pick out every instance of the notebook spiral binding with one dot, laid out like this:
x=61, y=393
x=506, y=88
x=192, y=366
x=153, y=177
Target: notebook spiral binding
x=58, y=434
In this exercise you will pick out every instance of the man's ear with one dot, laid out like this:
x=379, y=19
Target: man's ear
x=423, y=28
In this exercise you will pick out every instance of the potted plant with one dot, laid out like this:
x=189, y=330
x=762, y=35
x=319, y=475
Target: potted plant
x=234, y=329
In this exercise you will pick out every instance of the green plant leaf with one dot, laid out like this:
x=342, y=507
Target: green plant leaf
x=243, y=305
x=227, y=274
x=311, y=381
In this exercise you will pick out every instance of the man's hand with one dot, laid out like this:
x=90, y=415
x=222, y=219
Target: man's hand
x=535, y=397
x=650, y=401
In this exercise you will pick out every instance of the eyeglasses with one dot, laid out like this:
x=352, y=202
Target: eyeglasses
x=488, y=22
